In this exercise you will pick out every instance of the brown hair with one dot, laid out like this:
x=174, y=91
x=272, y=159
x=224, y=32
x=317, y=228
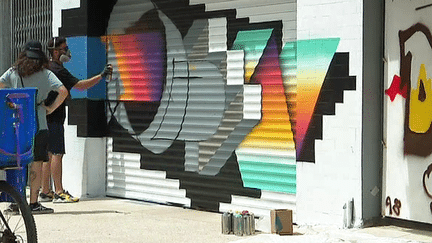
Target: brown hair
x=55, y=43
x=27, y=66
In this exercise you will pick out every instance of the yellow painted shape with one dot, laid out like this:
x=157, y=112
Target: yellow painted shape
x=249, y=70
x=270, y=134
x=420, y=117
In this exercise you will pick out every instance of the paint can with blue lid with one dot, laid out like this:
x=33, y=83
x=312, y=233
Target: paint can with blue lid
x=238, y=227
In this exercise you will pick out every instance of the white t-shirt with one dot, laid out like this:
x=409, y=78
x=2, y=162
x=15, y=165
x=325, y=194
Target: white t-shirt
x=44, y=81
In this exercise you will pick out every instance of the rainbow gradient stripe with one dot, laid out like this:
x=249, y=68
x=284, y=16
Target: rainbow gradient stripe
x=141, y=65
x=274, y=130
x=313, y=61
x=266, y=156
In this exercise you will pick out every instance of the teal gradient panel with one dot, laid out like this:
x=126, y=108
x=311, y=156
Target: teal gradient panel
x=313, y=60
x=315, y=54
x=253, y=43
x=268, y=174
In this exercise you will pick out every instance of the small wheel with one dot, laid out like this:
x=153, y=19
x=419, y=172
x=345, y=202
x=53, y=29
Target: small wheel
x=16, y=221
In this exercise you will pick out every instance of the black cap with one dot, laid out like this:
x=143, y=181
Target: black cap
x=33, y=49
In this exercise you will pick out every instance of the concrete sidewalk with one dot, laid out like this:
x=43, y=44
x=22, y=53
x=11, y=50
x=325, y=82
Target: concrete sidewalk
x=121, y=220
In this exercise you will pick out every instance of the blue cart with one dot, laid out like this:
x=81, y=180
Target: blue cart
x=18, y=126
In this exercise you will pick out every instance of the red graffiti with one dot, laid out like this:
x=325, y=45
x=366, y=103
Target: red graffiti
x=395, y=88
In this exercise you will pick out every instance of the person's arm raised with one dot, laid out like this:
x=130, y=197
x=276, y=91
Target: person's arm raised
x=88, y=83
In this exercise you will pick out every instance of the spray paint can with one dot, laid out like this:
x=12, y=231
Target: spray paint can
x=252, y=223
x=247, y=224
x=227, y=223
x=238, y=224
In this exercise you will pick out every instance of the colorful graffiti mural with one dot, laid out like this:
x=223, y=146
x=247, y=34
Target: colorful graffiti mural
x=418, y=122
x=274, y=129
x=414, y=85
x=221, y=104
x=142, y=73
x=407, y=123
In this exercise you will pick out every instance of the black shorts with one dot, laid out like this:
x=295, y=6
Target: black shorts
x=56, y=144
x=41, y=145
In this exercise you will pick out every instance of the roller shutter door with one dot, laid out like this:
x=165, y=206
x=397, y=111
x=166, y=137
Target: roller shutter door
x=201, y=103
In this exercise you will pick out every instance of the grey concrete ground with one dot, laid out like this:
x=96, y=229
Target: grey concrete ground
x=119, y=220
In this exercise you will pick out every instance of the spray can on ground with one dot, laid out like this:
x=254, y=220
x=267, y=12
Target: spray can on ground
x=248, y=223
x=238, y=224
x=227, y=223
x=252, y=222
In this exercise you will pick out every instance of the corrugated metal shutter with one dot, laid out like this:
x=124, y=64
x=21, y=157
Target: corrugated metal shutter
x=201, y=103
x=31, y=19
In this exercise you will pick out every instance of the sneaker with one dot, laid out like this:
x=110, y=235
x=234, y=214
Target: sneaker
x=12, y=209
x=64, y=197
x=37, y=208
x=48, y=197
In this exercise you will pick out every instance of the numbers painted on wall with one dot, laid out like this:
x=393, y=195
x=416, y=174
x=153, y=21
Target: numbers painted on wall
x=396, y=207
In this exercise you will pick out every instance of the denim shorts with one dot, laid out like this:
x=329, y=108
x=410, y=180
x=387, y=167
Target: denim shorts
x=41, y=145
x=56, y=144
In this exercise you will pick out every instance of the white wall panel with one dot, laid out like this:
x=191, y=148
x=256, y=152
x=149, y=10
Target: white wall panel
x=407, y=183
x=325, y=186
x=58, y=6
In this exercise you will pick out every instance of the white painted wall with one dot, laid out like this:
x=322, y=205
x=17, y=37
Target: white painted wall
x=403, y=174
x=325, y=186
x=84, y=164
x=58, y=5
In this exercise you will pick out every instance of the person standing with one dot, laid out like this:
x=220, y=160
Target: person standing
x=60, y=54
x=30, y=70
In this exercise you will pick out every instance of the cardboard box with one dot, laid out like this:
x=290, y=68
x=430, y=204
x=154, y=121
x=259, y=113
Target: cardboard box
x=281, y=221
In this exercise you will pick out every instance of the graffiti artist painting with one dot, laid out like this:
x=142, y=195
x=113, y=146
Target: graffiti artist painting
x=60, y=54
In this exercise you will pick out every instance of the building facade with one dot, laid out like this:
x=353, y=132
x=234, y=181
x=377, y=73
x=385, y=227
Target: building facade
x=231, y=105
